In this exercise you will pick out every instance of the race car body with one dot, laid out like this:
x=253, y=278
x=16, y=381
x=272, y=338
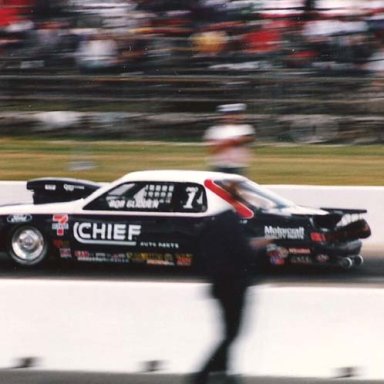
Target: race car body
x=156, y=218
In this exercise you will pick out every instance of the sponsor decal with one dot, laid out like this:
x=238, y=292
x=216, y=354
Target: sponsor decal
x=101, y=257
x=65, y=253
x=301, y=260
x=165, y=259
x=59, y=243
x=60, y=224
x=148, y=244
x=274, y=250
x=162, y=245
x=152, y=258
x=13, y=219
x=183, y=259
x=120, y=257
x=138, y=257
x=277, y=255
x=168, y=245
x=299, y=251
x=71, y=187
x=81, y=255
x=106, y=233
x=322, y=258
x=295, y=233
x=50, y=187
x=276, y=260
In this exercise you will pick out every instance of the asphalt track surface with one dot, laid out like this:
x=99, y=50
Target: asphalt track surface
x=25, y=376
x=370, y=273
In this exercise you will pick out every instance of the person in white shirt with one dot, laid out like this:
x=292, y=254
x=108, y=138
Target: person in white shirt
x=229, y=141
x=97, y=53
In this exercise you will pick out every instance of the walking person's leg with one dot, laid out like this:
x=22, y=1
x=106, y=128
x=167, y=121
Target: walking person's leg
x=231, y=311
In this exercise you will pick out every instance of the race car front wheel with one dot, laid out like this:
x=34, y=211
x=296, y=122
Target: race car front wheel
x=27, y=246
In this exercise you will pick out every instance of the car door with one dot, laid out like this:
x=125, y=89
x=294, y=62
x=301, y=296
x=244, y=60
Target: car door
x=150, y=222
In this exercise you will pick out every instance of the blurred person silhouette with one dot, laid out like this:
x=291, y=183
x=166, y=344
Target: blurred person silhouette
x=229, y=140
x=264, y=39
x=98, y=53
x=47, y=42
x=228, y=259
x=209, y=43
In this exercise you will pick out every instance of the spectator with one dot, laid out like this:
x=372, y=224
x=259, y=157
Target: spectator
x=47, y=40
x=209, y=43
x=264, y=39
x=98, y=53
x=375, y=64
x=229, y=141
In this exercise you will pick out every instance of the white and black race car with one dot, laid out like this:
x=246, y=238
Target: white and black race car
x=155, y=218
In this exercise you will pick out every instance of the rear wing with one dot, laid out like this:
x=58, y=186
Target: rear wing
x=347, y=216
x=345, y=211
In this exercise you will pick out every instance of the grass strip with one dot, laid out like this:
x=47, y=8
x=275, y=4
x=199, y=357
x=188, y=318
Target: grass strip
x=25, y=158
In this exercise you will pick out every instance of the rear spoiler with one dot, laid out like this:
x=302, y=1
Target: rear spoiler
x=345, y=211
x=338, y=216
x=55, y=190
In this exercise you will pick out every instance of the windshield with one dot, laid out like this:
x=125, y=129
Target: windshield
x=256, y=195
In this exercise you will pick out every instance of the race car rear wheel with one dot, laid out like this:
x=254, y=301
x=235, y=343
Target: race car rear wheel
x=358, y=260
x=27, y=246
x=346, y=263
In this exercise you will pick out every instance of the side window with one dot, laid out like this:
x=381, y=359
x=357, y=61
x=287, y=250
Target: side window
x=152, y=196
x=189, y=197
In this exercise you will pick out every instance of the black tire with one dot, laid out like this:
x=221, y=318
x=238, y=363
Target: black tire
x=346, y=263
x=27, y=246
x=358, y=260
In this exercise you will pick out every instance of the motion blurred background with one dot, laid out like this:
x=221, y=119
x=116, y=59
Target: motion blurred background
x=310, y=72
x=97, y=88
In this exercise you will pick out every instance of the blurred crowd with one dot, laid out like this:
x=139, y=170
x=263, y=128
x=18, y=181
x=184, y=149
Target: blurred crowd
x=117, y=36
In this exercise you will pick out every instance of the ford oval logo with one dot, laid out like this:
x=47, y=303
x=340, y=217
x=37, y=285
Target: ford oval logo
x=19, y=219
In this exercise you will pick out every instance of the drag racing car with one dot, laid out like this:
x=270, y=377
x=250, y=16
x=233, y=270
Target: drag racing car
x=154, y=218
